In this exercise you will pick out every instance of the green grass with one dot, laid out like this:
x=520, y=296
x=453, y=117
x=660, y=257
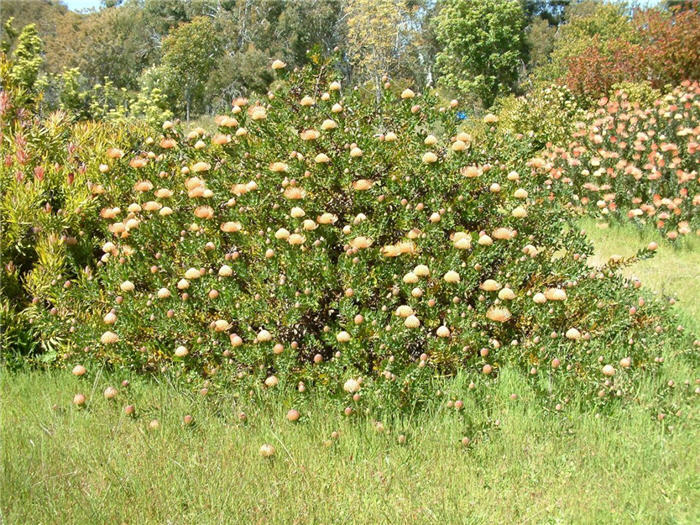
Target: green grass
x=674, y=271
x=62, y=464
x=526, y=464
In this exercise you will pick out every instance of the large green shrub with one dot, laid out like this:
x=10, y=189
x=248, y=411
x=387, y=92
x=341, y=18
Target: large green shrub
x=323, y=235
x=483, y=45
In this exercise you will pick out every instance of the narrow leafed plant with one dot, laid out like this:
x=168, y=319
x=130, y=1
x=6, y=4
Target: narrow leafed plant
x=635, y=162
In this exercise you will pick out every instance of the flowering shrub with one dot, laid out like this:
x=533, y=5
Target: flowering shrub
x=636, y=92
x=636, y=162
x=104, y=102
x=334, y=240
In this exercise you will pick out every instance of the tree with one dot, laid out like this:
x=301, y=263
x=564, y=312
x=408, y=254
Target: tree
x=544, y=17
x=373, y=36
x=26, y=59
x=550, y=10
x=190, y=52
x=384, y=36
x=239, y=73
x=421, y=45
x=163, y=15
x=483, y=46
x=540, y=41
x=308, y=23
x=589, y=27
x=114, y=43
x=261, y=31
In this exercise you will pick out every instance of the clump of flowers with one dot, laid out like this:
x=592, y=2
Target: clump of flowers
x=364, y=259
x=635, y=163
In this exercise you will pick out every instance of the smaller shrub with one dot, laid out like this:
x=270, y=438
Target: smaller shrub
x=545, y=115
x=636, y=93
x=47, y=203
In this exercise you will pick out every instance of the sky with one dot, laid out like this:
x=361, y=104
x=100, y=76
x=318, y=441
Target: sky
x=76, y=5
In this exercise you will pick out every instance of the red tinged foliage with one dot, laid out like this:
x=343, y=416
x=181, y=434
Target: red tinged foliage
x=667, y=52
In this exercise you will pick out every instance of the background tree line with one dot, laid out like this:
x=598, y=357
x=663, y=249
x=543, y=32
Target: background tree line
x=156, y=57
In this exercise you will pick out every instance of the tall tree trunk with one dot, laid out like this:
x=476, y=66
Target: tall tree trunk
x=377, y=87
x=428, y=69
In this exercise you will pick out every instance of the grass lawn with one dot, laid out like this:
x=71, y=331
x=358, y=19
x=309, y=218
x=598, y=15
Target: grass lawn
x=674, y=271
x=525, y=464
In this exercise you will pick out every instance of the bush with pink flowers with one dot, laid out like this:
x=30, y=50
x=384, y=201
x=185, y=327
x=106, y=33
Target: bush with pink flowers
x=635, y=163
